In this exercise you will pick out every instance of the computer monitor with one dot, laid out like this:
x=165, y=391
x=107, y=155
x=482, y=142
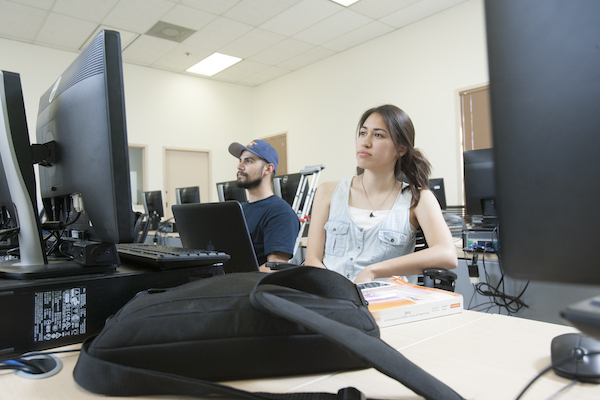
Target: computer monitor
x=18, y=185
x=187, y=195
x=436, y=185
x=231, y=191
x=289, y=186
x=84, y=113
x=480, y=189
x=545, y=91
x=84, y=169
x=7, y=213
x=153, y=206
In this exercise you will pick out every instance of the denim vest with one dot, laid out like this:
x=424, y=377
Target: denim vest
x=349, y=248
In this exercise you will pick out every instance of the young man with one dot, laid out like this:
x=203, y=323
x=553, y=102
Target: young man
x=272, y=223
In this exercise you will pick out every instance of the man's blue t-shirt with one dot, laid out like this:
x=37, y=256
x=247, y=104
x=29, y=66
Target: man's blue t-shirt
x=273, y=226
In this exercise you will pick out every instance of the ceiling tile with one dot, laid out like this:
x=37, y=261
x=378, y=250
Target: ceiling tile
x=241, y=70
x=65, y=32
x=20, y=22
x=88, y=10
x=380, y=8
x=181, y=58
x=146, y=50
x=218, y=33
x=137, y=15
x=282, y=51
x=332, y=27
x=217, y=7
x=43, y=4
x=304, y=59
x=255, y=12
x=301, y=16
x=265, y=76
x=251, y=43
x=188, y=17
x=418, y=11
x=358, y=36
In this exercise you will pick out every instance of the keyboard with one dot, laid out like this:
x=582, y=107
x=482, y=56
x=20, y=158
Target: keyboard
x=169, y=257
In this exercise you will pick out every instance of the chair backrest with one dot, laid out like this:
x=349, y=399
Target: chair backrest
x=456, y=224
x=142, y=225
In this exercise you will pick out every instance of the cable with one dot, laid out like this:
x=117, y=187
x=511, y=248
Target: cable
x=573, y=382
x=497, y=293
x=555, y=365
x=25, y=364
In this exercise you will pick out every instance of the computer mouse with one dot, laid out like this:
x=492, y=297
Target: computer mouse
x=582, y=354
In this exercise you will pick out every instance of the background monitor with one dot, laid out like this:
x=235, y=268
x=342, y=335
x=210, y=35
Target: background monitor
x=153, y=204
x=545, y=91
x=436, y=185
x=84, y=113
x=289, y=185
x=231, y=191
x=480, y=189
x=187, y=195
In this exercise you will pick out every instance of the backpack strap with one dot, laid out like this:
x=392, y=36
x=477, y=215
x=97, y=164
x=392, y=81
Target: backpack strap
x=372, y=350
x=113, y=379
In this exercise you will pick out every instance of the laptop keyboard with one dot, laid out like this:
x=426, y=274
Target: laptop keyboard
x=168, y=257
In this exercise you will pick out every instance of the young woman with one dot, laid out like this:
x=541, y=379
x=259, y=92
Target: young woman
x=364, y=226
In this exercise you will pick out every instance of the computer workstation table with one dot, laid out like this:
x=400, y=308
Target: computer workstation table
x=481, y=356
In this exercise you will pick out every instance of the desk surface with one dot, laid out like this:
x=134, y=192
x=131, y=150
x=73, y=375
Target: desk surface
x=481, y=356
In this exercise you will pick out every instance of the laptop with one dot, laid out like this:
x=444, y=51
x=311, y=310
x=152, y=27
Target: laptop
x=217, y=226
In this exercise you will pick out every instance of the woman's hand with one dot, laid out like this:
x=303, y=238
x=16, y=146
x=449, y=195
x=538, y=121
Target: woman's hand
x=366, y=275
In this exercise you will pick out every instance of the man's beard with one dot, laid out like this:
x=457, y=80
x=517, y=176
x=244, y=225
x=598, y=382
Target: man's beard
x=248, y=183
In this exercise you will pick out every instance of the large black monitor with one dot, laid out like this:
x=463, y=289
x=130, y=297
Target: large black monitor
x=84, y=113
x=480, y=186
x=187, y=195
x=231, y=191
x=84, y=169
x=544, y=63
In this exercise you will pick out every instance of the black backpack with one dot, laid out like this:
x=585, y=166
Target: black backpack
x=295, y=321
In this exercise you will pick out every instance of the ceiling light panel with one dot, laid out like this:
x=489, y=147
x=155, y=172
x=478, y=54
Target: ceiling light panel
x=213, y=64
x=345, y=3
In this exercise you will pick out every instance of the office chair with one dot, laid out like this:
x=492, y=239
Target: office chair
x=436, y=277
x=141, y=227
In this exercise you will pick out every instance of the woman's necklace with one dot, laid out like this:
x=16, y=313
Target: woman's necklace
x=374, y=212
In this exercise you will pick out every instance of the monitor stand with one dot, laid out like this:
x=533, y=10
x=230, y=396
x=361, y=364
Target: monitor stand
x=12, y=269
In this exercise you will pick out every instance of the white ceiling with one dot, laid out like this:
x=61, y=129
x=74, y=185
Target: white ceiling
x=274, y=37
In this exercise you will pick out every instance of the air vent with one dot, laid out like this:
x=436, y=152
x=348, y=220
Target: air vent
x=171, y=32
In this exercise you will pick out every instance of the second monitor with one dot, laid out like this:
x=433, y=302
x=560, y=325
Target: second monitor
x=187, y=195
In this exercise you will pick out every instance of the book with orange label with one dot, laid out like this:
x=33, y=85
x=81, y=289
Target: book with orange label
x=398, y=302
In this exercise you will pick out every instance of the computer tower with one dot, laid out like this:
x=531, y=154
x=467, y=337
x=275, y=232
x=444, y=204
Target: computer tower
x=40, y=314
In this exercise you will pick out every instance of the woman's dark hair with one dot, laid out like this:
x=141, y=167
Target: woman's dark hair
x=413, y=165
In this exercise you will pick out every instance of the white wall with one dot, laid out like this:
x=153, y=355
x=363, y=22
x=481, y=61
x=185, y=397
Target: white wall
x=163, y=109
x=419, y=68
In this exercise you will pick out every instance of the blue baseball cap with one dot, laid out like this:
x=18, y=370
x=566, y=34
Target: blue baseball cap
x=257, y=147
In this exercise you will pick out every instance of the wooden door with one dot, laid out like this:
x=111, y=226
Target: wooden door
x=185, y=168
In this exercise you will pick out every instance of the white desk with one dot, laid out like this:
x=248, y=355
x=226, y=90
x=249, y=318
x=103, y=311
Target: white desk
x=481, y=356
